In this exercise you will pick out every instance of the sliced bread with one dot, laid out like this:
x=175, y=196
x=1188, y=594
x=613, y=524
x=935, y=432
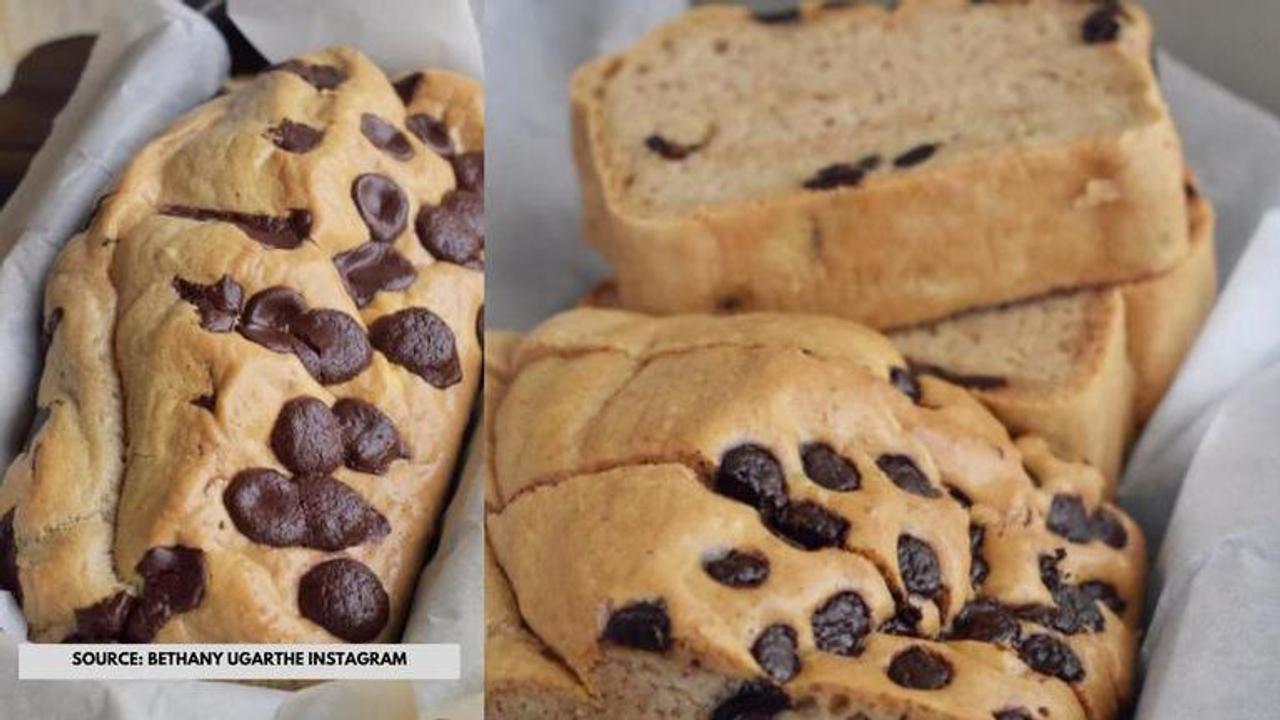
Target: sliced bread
x=881, y=165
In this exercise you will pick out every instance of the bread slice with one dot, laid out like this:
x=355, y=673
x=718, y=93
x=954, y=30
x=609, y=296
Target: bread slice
x=1084, y=370
x=881, y=165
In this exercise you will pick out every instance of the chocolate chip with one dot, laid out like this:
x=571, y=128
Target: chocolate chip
x=836, y=176
x=294, y=137
x=385, y=136
x=904, y=473
x=1106, y=594
x=643, y=625
x=173, y=582
x=905, y=381
x=775, y=651
x=978, y=568
x=781, y=16
x=38, y=421
x=751, y=474
x=372, y=268
x=969, y=382
x=755, y=700
x=382, y=206
x=826, y=467
x=371, y=440
x=962, y=499
x=218, y=304
x=331, y=345
x=468, y=168
x=280, y=233
x=337, y=517
x=808, y=525
x=986, y=620
x=321, y=77
x=1048, y=655
x=738, y=568
x=432, y=132
x=407, y=86
x=145, y=620
x=1102, y=26
x=915, y=155
x=103, y=621
x=1108, y=528
x=307, y=437
x=841, y=623
x=1012, y=714
x=669, y=149
x=50, y=328
x=917, y=668
x=869, y=163
x=269, y=315
x=266, y=507
x=919, y=567
x=1075, y=610
x=1068, y=518
x=9, y=579
x=453, y=231
x=418, y=340
x=905, y=621
x=346, y=598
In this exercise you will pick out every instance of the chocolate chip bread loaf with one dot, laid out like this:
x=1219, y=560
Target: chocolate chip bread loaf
x=771, y=516
x=261, y=357
x=890, y=166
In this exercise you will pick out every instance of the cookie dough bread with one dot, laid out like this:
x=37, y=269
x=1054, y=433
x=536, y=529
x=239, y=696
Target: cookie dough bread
x=261, y=357
x=771, y=516
x=889, y=166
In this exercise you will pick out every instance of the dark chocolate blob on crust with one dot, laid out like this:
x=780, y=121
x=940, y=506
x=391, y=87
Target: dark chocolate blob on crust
x=468, y=169
x=370, y=440
x=382, y=205
x=407, y=86
x=642, y=625
x=103, y=621
x=738, y=568
x=775, y=651
x=373, y=268
x=294, y=137
x=908, y=476
x=432, y=132
x=279, y=233
x=385, y=136
x=755, y=700
x=918, y=668
x=331, y=345
x=307, y=437
x=321, y=77
x=173, y=582
x=826, y=467
x=841, y=623
x=218, y=303
x=346, y=598
x=313, y=511
x=418, y=340
x=453, y=231
x=752, y=474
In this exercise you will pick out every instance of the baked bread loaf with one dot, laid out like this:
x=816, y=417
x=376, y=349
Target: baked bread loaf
x=763, y=513
x=262, y=354
x=881, y=165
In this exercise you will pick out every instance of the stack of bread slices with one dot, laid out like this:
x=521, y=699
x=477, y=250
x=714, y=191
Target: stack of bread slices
x=998, y=186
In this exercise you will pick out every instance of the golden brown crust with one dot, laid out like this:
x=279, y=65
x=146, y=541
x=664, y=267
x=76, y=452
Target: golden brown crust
x=606, y=447
x=154, y=413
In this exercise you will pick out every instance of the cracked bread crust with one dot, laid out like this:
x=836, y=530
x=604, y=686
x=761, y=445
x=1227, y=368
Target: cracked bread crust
x=615, y=445
x=164, y=385
x=887, y=246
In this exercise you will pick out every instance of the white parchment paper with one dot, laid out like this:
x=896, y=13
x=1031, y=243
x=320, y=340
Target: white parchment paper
x=1205, y=478
x=153, y=61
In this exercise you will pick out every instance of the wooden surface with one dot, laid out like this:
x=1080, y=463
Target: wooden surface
x=41, y=87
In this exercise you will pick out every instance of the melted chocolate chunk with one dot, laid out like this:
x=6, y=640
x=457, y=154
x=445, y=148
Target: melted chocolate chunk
x=432, y=132
x=280, y=233
x=418, y=340
x=775, y=651
x=269, y=315
x=904, y=473
x=1012, y=714
x=826, y=467
x=978, y=564
x=369, y=437
x=643, y=625
x=919, y=567
x=781, y=16
x=9, y=558
x=753, y=701
x=1075, y=609
x=103, y=621
x=915, y=155
x=869, y=163
x=1106, y=594
x=218, y=304
x=836, y=176
x=453, y=231
x=738, y=568
x=382, y=206
x=38, y=421
x=337, y=517
x=385, y=136
x=1102, y=26
x=841, y=623
x=372, y=268
x=468, y=169
x=969, y=382
x=917, y=668
x=751, y=474
x=1048, y=655
x=986, y=620
x=294, y=137
x=407, y=86
x=962, y=499
x=906, y=381
x=346, y=598
x=1068, y=518
x=905, y=621
x=808, y=525
x=669, y=149
x=321, y=77
x=266, y=507
x=173, y=582
x=307, y=437
x=331, y=345
x=50, y=328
